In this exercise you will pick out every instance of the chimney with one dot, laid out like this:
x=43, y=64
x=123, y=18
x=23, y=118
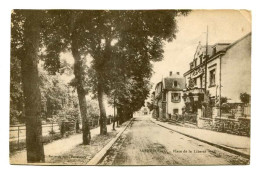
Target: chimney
x=178, y=73
x=170, y=73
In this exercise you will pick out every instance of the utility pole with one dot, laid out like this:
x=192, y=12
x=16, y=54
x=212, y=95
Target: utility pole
x=206, y=59
x=220, y=86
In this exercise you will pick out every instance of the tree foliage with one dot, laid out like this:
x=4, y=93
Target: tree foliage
x=16, y=93
x=131, y=40
x=126, y=40
x=245, y=97
x=122, y=45
x=17, y=52
x=58, y=100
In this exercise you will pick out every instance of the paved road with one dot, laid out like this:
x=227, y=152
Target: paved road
x=146, y=143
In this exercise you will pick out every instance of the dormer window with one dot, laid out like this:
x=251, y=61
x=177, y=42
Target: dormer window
x=191, y=65
x=214, y=50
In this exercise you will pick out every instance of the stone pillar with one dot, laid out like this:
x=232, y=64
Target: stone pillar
x=215, y=114
x=239, y=112
x=199, y=123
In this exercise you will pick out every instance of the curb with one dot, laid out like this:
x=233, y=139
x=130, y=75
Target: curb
x=99, y=156
x=210, y=143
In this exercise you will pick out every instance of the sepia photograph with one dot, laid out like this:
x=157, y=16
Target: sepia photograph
x=121, y=87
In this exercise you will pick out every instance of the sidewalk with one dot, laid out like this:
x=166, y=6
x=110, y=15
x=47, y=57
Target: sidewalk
x=58, y=147
x=233, y=143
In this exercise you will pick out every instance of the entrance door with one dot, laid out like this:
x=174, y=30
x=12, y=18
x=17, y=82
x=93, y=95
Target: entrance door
x=175, y=111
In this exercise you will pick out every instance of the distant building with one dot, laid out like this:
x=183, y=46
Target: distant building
x=142, y=112
x=145, y=111
x=168, y=94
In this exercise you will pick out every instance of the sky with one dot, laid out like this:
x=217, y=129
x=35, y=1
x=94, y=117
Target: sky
x=223, y=25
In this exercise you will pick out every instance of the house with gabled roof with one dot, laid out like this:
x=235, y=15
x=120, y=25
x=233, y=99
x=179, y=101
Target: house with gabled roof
x=168, y=94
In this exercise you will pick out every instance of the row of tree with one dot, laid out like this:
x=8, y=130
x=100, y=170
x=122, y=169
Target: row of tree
x=121, y=45
x=59, y=101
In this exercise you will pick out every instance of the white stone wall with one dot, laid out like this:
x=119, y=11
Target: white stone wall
x=236, y=70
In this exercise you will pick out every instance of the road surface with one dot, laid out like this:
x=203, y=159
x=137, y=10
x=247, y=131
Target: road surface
x=146, y=143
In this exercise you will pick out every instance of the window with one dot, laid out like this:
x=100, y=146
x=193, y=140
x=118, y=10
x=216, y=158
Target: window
x=176, y=97
x=175, y=111
x=175, y=84
x=212, y=77
x=201, y=81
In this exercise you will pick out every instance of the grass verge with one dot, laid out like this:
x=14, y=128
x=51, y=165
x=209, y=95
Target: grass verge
x=81, y=154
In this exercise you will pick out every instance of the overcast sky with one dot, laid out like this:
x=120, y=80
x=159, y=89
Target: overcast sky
x=228, y=25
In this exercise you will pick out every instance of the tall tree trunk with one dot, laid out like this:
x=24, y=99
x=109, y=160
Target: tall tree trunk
x=100, y=91
x=114, y=119
x=78, y=72
x=31, y=90
x=103, y=118
x=120, y=115
x=85, y=123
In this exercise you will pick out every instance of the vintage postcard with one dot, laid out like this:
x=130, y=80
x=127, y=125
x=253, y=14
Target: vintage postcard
x=130, y=87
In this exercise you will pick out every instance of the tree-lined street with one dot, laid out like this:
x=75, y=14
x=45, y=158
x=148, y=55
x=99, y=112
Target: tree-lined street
x=120, y=62
x=69, y=66
x=146, y=143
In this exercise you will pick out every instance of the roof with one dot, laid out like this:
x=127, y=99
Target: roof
x=230, y=46
x=168, y=83
x=201, y=48
x=157, y=85
x=234, y=43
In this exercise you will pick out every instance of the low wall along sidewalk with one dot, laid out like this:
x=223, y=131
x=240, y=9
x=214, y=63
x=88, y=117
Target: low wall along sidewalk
x=239, y=144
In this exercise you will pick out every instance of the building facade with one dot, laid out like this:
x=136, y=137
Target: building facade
x=168, y=95
x=218, y=75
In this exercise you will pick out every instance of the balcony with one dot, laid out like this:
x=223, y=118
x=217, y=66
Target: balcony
x=194, y=91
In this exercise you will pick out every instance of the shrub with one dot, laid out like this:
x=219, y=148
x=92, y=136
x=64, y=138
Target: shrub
x=245, y=98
